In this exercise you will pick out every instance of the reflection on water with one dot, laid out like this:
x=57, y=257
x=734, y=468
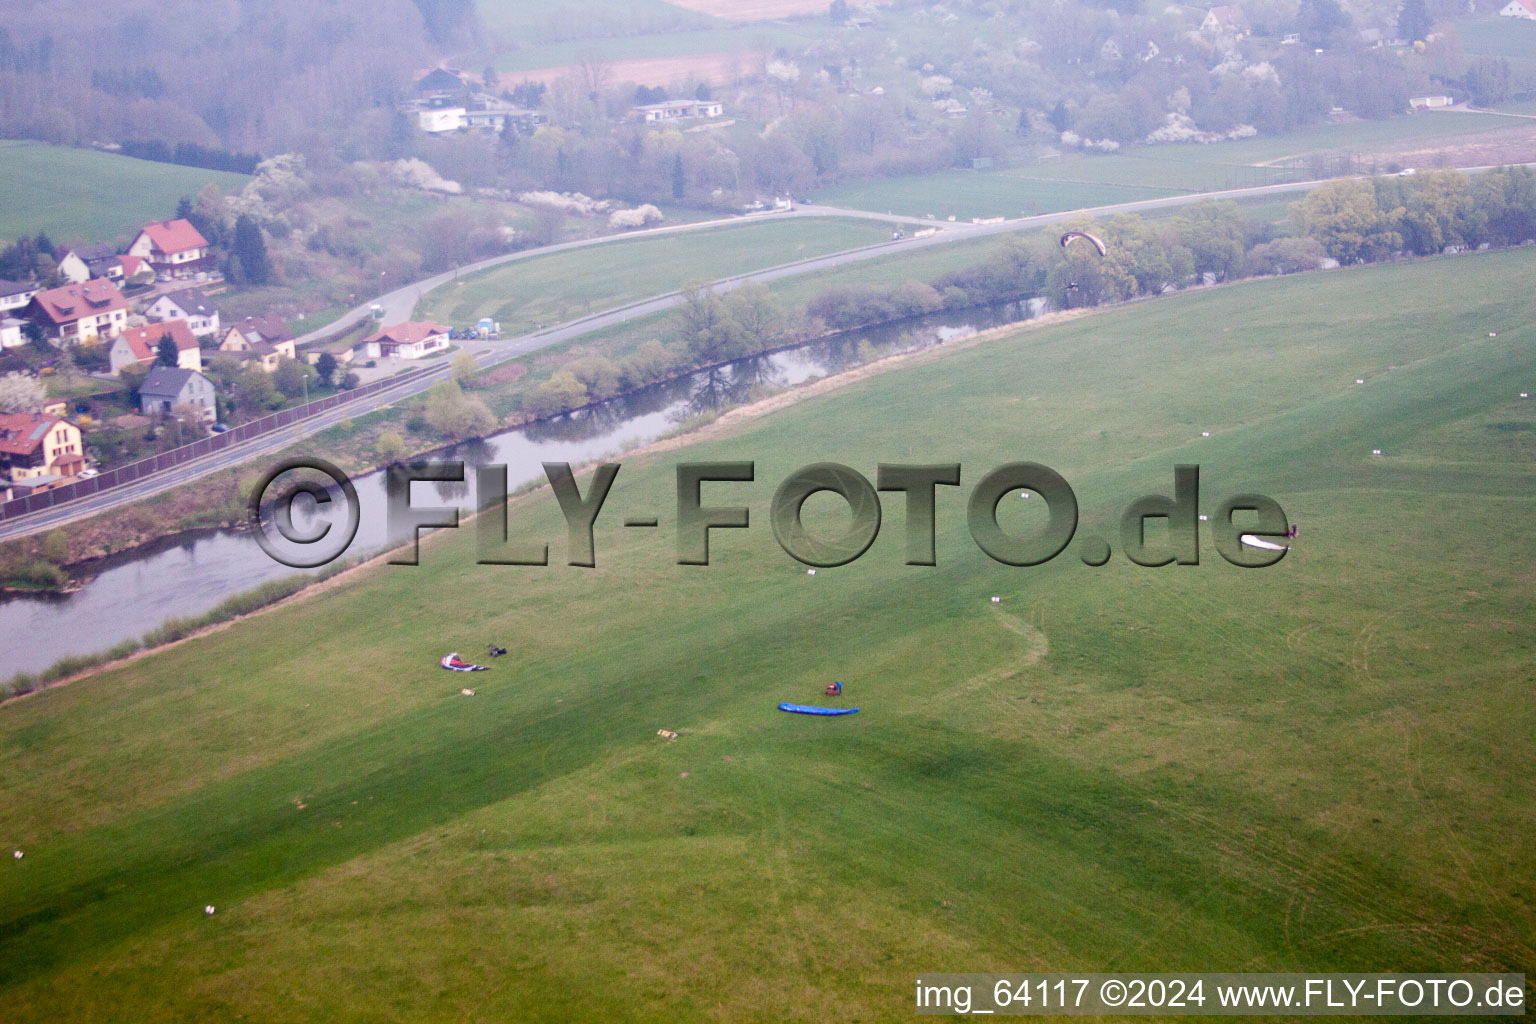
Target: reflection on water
x=186, y=575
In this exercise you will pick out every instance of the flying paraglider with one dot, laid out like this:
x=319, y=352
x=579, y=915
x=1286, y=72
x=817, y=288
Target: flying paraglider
x=1067, y=239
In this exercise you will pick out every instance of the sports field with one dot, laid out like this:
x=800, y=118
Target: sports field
x=563, y=286
x=85, y=195
x=1325, y=765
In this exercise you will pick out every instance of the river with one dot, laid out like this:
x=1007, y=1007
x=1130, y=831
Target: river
x=186, y=575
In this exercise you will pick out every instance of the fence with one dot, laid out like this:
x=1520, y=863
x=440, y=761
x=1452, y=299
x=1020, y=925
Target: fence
x=186, y=453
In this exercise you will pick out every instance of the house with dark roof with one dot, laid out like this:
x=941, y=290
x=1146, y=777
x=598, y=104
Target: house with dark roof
x=16, y=294
x=34, y=445
x=140, y=346
x=166, y=387
x=189, y=304
x=75, y=266
x=439, y=86
x=172, y=247
x=263, y=338
x=80, y=313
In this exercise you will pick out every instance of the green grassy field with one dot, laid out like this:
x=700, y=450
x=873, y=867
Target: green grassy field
x=82, y=194
x=1498, y=37
x=1324, y=765
x=967, y=194
x=562, y=286
x=1077, y=181
x=519, y=23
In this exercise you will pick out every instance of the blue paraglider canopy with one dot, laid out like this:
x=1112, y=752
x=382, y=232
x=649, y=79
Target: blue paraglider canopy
x=810, y=709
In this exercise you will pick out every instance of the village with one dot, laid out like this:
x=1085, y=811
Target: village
x=114, y=356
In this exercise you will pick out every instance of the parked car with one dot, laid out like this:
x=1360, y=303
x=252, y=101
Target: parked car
x=219, y=428
x=86, y=474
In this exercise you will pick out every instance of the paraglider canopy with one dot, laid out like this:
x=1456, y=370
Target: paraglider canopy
x=1093, y=240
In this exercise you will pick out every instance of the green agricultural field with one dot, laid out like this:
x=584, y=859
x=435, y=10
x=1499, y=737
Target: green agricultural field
x=82, y=194
x=1077, y=181
x=520, y=23
x=1498, y=37
x=1325, y=765
x=562, y=286
x=967, y=194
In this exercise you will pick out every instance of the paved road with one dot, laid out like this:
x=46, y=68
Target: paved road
x=398, y=305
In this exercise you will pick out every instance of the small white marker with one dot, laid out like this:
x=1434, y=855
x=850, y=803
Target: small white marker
x=1204, y=518
x=208, y=910
x=18, y=855
x=810, y=572
x=997, y=600
x=1524, y=395
x=1359, y=380
x=1491, y=334
x=1375, y=451
x=1205, y=433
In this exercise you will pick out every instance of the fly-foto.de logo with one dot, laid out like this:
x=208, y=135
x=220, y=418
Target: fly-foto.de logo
x=1253, y=543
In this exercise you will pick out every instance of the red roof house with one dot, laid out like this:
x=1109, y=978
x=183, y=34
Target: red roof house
x=80, y=312
x=172, y=246
x=141, y=346
x=410, y=340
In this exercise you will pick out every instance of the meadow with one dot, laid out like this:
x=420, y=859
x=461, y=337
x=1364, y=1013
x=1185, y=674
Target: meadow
x=1077, y=181
x=87, y=196
x=562, y=286
x=1324, y=765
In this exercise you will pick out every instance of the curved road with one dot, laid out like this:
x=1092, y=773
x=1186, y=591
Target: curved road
x=399, y=304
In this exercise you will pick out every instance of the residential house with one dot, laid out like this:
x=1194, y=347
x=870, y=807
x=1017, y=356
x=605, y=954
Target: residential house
x=442, y=119
x=342, y=353
x=410, y=340
x=1227, y=22
x=16, y=295
x=1525, y=9
x=492, y=117
x=189, y=304
x=440, y=86
x=34, y=445
x=120, y=269
x=676, y=110
x=10, y=333
x=166, y=387
x=140, y=346
x=80, y=313
x=173, y=247
x=75, y=265
x=263, y=339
